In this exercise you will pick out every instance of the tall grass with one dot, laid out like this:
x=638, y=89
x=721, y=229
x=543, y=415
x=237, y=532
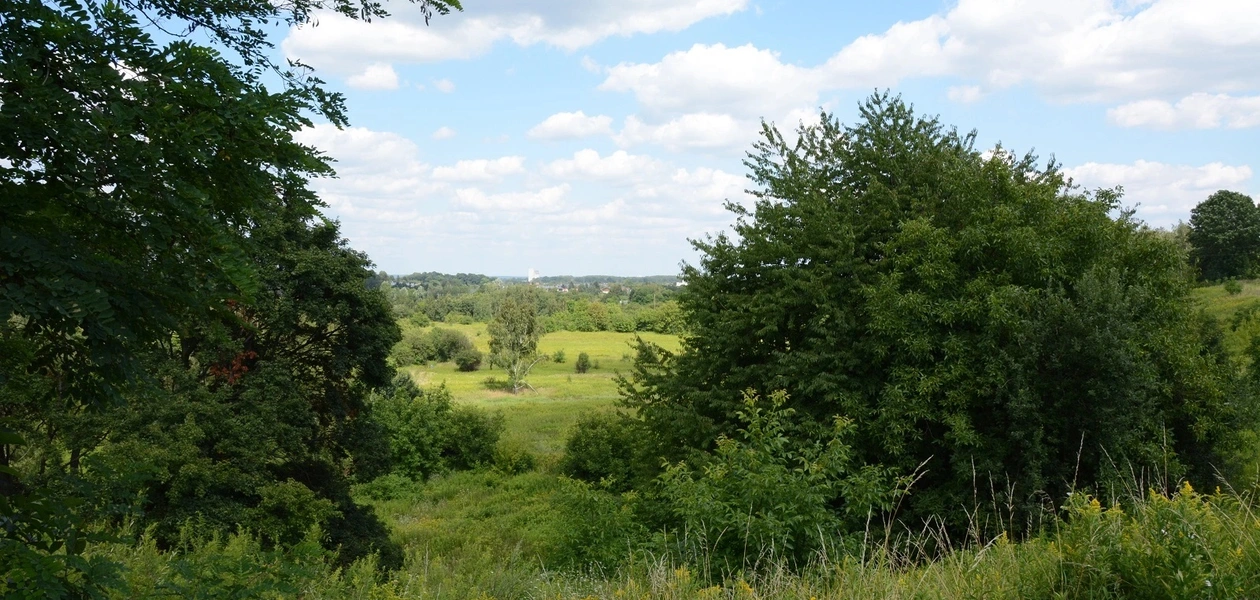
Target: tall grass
x=484, y=535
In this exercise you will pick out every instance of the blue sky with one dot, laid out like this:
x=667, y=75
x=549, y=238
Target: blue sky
x=597, y=136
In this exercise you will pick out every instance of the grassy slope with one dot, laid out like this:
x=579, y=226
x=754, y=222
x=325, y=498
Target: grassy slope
x=1223, y=306
x=539, y=419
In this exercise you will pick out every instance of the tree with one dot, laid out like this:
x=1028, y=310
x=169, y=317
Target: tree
x=259, y=421
x=133, y=177
x=1225, y=235
x=972, y=314
x=514, y=334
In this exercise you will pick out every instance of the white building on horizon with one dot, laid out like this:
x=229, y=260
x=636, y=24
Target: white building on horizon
x=533, y=274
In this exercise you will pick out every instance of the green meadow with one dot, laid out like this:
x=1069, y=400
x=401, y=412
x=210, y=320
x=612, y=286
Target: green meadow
x=538, y=419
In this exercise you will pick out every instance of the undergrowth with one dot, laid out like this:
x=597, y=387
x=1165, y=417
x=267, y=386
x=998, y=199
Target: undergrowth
x=486, y=535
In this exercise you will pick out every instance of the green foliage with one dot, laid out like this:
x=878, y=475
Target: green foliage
x=42, y=543
x=1187, y=546
x=972, y=311
x=513, y=459
x=514, y=334
x=1225, y=235
x=468, y=359
x=762, y=497
x=558, y=356
x=437, y=344
x=427, y=435
x=258, y=422
x=601, y=449
x=583, y=363
x=602, y=530
x=1233, y=287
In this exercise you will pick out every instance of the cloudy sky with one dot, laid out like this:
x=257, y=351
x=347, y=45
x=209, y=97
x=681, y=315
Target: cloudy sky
x=597, y=136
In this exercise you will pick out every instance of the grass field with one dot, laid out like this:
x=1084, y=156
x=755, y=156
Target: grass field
x=1220, y=304
x=539, y=419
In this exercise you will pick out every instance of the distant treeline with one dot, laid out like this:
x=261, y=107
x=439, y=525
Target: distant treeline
x=588, y=303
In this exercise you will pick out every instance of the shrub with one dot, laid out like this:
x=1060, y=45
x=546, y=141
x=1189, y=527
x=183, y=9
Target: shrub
x=468, y=359
x=1233, y=287
x=427, y=435
x=447, y=343
x=471, y=437
x=415, y=347
x=511, y=458
x=583, y=363
x=1186, y=546
x=600, y=449
x=601, y=529
x=759, y=494
x=558, y=356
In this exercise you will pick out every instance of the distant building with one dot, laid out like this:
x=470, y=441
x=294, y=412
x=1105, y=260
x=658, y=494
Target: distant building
x=533, y=274
x=679, y=283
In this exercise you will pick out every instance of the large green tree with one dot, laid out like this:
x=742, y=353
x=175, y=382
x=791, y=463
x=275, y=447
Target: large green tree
x=133, y=176
x=977, y=317
x=1225, y=235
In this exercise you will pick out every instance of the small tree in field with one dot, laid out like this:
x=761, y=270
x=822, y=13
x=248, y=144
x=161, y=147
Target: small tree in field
x=514, y=334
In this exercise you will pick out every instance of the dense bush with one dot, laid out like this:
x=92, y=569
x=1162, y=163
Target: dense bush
x=601, y=448
x=428, y=435
x=437, y=344
x=758, y=498
x=468, y=359
x=972, y=310
x=583, y=363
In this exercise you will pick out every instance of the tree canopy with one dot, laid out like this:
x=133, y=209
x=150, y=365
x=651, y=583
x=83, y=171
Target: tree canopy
x=979, y=320
x=159, y=245
x=1225, y=235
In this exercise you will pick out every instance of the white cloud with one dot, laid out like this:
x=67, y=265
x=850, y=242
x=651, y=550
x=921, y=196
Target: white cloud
x=377, y=76
x=589, y=64
x=443, y=133
x=569, y=125
x=344, y=45
x=693, y=131
x=481, y=169
x=964, y=94
x=1196, y=111
x=544, y=200
x=1072, y=50
x=742, y=80
x=584, y=213
x=445, y=86
x=1164, y=193
x=618, y=166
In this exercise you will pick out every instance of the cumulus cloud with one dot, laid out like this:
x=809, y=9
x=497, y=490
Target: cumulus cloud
x=570, y=125
x=481, y=169
x=587, y=212
x=1196, y=111
x=693, y=131
x=546, y=200
x=1164, y=193
x=344, y=45
x=443, y=133
x=1074, y=50
x=740, y=80
x=377, y=76
x=618, y=166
